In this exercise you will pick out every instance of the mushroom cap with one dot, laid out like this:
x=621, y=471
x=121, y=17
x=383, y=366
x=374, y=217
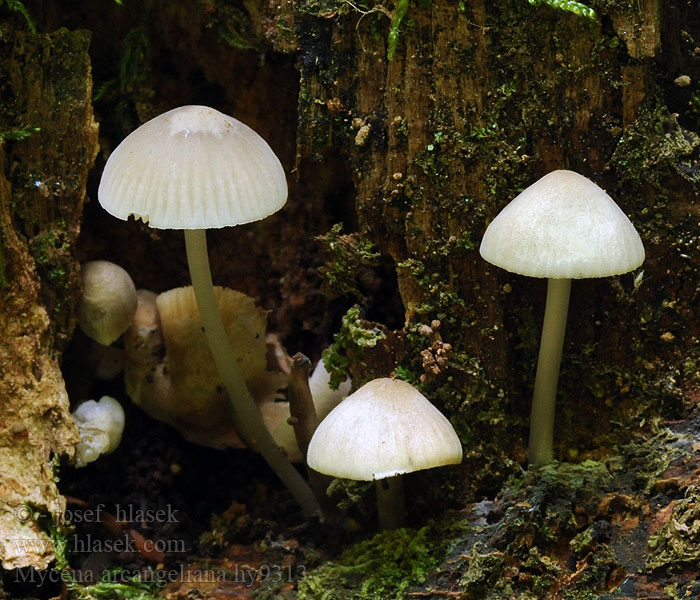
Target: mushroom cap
x=193, y=167
x=385, y=428
x=108, y=302
x=100, y=425
x=170, y=373
x=326, y=399
x=563, y=227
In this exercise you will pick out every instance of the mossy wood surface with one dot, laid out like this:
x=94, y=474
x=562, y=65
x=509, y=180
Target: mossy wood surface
x=46, y=85
x=414, y=156
x=479, y=101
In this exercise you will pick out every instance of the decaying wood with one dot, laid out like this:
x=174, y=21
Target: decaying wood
x=301, y=404
x=42, y=189
x=415, y=155
x=479, y=101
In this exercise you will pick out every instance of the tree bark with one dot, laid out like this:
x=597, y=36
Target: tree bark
x=479, y=101
x=42, y=189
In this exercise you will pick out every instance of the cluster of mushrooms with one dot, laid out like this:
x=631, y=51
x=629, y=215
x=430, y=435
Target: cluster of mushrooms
x=194, y=168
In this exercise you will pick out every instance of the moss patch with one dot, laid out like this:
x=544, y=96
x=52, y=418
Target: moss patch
x=383, y=567
x=354, y=337
x=677, y=544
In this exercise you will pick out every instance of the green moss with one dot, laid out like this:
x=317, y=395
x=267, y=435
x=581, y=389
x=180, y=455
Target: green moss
x=19, y=133
x=571, y=6
x=233, y=25
x=352, y=339
x=118, y=585
x=438, y=296
x=114, y=584
x=397, y=18
x=127, y=93
x=629, y=393
x=433, y=226
x=384, y=567
x=654, y=146
x=18, y=7
x=15, y=134
x=55, y=262
x=346, y=255
x=52, y=252
x=519, y=553
x=404, y=374
x=677, y=544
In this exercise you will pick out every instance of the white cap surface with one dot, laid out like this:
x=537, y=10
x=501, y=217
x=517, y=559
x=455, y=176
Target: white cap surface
x=326, y=399
x=193, y=168
x=563, y=227
x=385, y=428
x=100, y=425
x=108, y=302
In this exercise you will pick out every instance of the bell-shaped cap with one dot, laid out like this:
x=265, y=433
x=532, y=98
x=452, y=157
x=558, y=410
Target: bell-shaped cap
x=193, y=167
x=385, y=428
x=563, y=227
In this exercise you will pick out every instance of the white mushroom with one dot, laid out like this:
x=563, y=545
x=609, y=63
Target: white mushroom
x=108, y=301
x=562, y=227
x=100, y=425
x=195, y=168
x=170, y=373
x=325, y=398
x=383, y=430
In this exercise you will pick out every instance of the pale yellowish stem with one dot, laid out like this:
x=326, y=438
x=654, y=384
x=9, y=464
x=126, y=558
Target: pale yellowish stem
x=540, y=450
x=246, y=416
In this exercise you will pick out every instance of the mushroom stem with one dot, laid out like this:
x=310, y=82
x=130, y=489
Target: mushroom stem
x=540, y=449
x=246, y=416
x=390, y=502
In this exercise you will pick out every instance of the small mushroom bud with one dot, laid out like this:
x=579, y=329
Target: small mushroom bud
x=108, y=303
x=100, y=425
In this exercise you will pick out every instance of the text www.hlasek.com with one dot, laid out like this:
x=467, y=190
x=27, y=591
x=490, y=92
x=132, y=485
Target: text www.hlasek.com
x=89, y=544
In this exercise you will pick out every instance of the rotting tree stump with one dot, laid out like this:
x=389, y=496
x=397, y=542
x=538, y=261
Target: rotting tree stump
x=47, y=85
x=479, y=100
x=415, y=155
